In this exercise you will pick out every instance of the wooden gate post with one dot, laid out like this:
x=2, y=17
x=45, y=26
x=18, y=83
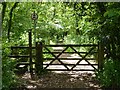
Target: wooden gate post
x=30, y=53
x=39, y=57
x=100, y=55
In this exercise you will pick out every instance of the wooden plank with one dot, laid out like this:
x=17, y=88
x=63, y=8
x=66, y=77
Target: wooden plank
x=72, y=64
x=70, y=59
x=84, y=45
x=67, y=52
x=79, y=45
x=71, y=70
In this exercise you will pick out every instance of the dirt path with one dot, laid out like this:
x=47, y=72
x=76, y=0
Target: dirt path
x=61, y=80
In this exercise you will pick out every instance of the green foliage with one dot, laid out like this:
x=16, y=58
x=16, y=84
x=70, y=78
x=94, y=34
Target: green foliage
x=8, y=76
x=109, y=76
x=86, y=22
x=48, y=15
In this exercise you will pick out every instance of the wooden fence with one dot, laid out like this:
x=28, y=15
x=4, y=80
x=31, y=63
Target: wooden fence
x=37, y=58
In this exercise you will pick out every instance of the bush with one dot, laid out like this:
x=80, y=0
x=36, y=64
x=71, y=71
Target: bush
x=109, y=77
x=8, y=76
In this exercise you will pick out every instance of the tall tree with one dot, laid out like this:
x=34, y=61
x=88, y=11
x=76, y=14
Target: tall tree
x=10, y=19
x=3, y=10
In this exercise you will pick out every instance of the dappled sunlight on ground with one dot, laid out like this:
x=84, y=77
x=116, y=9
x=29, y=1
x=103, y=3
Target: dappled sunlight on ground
x=61, y=80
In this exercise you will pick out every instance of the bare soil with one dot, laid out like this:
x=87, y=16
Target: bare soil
x=59, y=80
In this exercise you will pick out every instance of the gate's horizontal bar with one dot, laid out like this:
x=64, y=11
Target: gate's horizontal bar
x=72, y=64
x=27, y=63
x=71, y=70
x=66, y=52
x=72, y=45
x=70, y=58
x=24, y=47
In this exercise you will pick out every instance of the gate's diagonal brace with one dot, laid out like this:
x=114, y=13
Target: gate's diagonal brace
x=91, y=64
x=52, y=55
x=76, y=51
x=79, y=60
x=88, y=61
x=83, y=57
x=56, y=57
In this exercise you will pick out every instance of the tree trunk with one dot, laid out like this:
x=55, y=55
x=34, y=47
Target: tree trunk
x=10, y=20
x=3, y=10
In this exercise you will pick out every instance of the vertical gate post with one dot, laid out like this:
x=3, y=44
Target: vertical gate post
x=30, y=53
x=100, y=55
x=39, y=57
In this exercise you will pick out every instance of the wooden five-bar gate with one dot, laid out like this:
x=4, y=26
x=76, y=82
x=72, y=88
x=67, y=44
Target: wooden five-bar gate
x=41, y=56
